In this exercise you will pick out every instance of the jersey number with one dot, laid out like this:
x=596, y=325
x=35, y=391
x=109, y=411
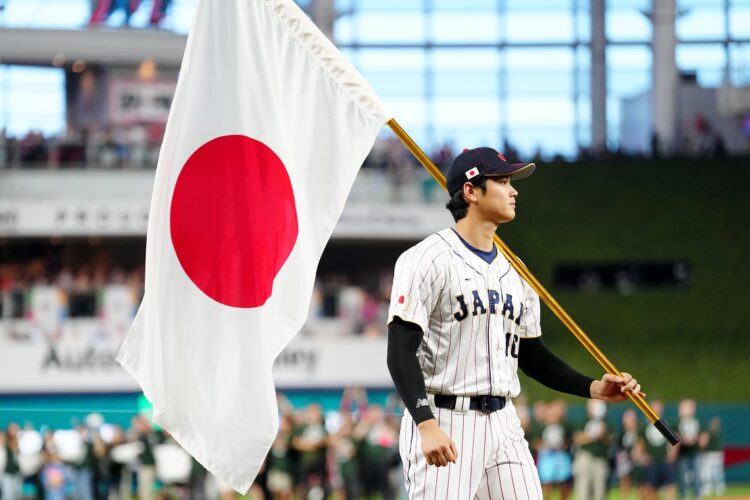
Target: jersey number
x=511, y=344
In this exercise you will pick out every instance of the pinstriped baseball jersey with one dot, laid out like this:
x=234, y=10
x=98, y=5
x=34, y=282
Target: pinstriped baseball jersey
x=472, y=313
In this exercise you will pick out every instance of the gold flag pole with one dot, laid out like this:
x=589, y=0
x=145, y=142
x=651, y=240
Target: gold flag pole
x=576, y=330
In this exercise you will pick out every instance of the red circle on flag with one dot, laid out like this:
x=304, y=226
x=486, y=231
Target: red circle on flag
x=233, y=219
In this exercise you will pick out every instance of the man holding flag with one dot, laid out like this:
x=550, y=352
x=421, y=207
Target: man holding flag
x=267, y=130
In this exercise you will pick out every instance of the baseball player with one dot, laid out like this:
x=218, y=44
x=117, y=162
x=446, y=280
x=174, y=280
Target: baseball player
x=461, y=322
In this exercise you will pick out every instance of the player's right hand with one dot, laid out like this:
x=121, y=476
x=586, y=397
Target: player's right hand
x=437, y=446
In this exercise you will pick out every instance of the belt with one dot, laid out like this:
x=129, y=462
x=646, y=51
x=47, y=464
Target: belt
x=485, y=404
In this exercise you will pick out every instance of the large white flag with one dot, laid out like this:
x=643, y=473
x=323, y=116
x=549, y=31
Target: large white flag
x=267, y=130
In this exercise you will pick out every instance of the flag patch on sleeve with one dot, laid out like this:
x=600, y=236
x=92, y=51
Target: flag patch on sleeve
x=402, y=303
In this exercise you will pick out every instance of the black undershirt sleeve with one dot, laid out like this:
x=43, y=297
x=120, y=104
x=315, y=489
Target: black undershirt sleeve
x=542, y=365
x=403, y=341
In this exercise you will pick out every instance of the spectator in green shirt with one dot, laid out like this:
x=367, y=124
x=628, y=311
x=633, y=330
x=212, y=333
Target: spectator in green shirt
x=11, y=475
x=689, y=429
x=377, y=448
x=149, y=438
x=345, y=459
x=658, y=457
x=625, y=466
x=311, y=441
x=590, y=465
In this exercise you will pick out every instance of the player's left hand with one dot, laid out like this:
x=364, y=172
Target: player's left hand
x=614, y=389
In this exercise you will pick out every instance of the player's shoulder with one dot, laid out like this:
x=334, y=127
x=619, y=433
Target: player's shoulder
x=515, y=275
x=430, y=248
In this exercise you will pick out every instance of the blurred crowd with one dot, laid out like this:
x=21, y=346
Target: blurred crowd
x=29, y=289
x=349, y=453
x=134, y=146
x=93, y=460
x=591, y=456
x=45, y=293
x=352, y=453
x=137, y=146
x=341, y=306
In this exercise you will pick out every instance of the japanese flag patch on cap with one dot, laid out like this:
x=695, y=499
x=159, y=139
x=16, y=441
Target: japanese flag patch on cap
x=470, y=174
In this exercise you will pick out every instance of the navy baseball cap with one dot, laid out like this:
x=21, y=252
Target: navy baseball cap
x=478, y=162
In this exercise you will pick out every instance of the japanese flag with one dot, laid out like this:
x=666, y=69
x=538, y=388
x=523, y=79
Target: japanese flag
x=267, y=130
x=470, y=174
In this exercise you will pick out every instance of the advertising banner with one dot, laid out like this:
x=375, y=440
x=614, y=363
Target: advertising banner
x=80, y=358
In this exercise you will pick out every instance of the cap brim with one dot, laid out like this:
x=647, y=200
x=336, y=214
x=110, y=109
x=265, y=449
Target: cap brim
x=524, y=170
x=515, y=171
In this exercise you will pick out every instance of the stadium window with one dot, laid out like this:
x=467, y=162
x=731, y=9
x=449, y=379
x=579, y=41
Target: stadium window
x=389, y=27
x=393, y=72
x=46, y=14
x=343, y=30
x=393, y=5
x=465, y=27
x=551, y=25
x=707, y=61
x=628, y=75
x=700, y=22
x=32, y=99
x=628, y=23
x=739, y=57
x=739, y=21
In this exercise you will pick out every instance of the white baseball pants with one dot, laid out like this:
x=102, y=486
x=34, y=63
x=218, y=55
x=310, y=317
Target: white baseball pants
x=494, y=461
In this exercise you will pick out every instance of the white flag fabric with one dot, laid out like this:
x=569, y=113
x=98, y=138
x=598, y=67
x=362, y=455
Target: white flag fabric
x=268, y=127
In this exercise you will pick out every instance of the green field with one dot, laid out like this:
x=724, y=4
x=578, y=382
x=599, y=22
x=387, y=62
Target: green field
x=741, y=491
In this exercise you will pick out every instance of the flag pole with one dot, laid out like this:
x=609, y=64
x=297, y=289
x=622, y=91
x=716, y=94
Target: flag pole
x=576, y=330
